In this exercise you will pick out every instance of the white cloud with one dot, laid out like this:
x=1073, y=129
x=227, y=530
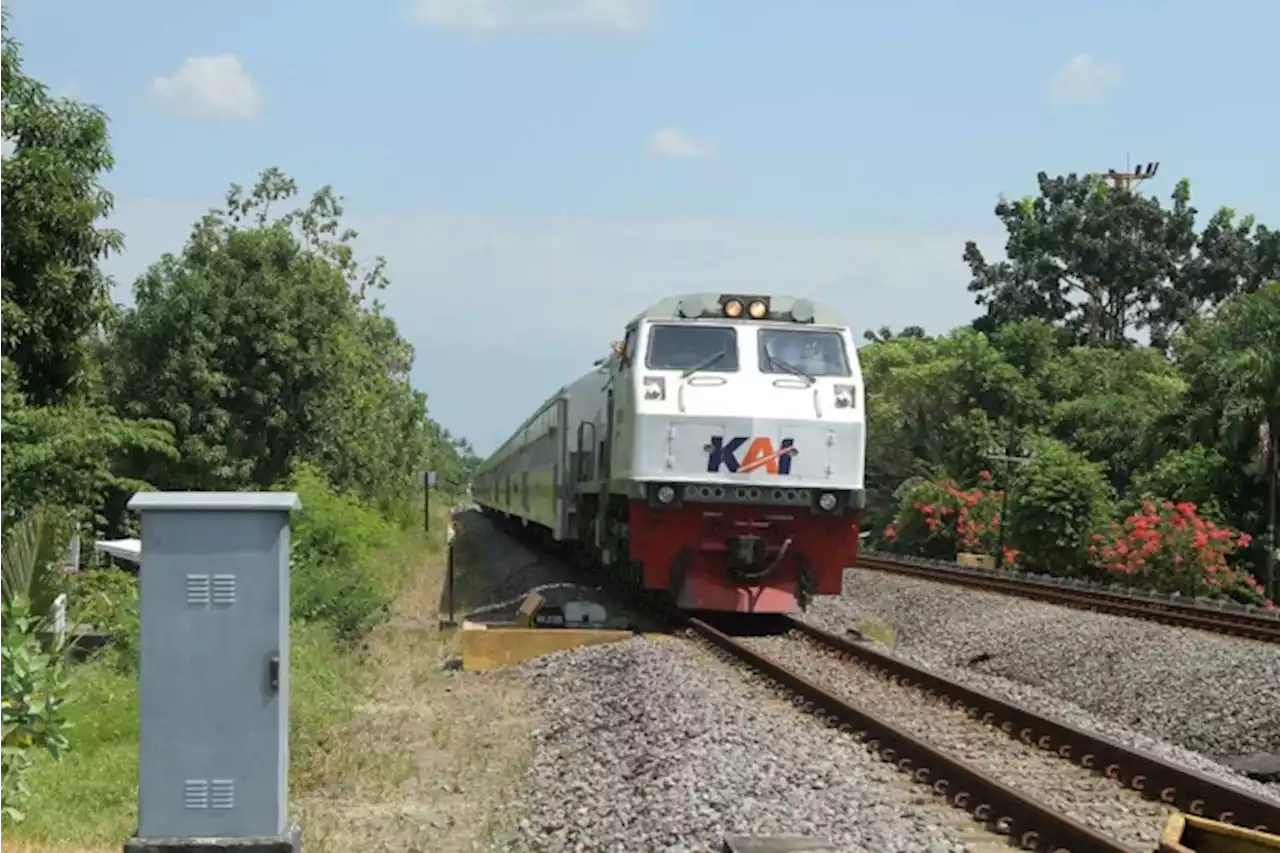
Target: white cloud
x=1083, y=79
x=501, y=311
x=488, y=16
x=674, y=142
x=210, y=87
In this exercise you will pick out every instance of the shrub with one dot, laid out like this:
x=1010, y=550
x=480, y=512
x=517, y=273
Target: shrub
x=1197, y=475
x=31, y=571
x=333, y=578
x=108, y=599
x=940, y=519
x=34, y=696
x=1059, y=500
x=1172, y=548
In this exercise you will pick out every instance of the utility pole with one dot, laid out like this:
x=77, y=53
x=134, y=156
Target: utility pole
x=1004, y=496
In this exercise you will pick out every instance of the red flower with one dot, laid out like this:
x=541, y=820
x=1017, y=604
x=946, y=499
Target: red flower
x=984, y=475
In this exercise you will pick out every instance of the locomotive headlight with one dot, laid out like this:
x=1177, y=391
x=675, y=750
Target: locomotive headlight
x=655, y=388
x=733, y=308
x=757, y=309
x=666, y=494
x=827, y=501
x=844, y=396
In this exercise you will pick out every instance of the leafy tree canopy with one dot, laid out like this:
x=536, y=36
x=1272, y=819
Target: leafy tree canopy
x=1104, y=263
x=55, y=296
x=262, y=344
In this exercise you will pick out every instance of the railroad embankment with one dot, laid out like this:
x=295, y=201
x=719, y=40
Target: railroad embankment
x=1144, y=681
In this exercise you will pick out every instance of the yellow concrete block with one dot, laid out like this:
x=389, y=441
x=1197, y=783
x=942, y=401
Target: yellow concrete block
x=1184, y=833
x=486, y=647
x=980, y=561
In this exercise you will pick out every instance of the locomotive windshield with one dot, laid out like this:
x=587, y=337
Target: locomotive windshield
x=692, y=347
x=809, y=351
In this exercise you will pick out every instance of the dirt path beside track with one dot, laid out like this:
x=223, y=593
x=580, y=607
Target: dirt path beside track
x=432, y=758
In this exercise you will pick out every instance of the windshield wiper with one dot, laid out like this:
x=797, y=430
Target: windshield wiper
x=790, y=368
x=702, y=365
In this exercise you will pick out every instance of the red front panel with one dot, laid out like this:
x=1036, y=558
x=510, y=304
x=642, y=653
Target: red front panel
x=659, y=536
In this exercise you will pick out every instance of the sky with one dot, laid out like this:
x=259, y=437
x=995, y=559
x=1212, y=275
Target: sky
x=537, y=172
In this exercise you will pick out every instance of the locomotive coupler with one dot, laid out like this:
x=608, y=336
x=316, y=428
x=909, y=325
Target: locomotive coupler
x=746, y=555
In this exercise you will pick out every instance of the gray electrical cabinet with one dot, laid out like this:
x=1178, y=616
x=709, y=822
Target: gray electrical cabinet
x=214, y=684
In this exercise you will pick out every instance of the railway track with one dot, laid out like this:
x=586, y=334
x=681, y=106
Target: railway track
x=1006, y=806
x=1222, y=618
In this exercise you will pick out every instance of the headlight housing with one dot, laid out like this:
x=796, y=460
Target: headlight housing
x=663, y=496
x=655, y=388
x=845, y=395
x=827, y=501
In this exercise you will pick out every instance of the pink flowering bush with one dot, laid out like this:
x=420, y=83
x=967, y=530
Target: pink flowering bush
x=1170, y=548
x=940, y=519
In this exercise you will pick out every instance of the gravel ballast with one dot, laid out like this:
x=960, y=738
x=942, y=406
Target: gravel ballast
x=1149, y=685
x=654, y=744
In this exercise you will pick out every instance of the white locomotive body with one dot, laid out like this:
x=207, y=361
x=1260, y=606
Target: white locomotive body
x=716, y=454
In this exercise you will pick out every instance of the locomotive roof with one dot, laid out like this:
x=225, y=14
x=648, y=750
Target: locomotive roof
x=669, y=308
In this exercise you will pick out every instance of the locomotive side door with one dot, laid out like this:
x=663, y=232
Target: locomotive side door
x=622, y=408
x=616, y=438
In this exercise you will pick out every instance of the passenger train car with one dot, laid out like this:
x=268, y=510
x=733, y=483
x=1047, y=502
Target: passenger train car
x=716, y=454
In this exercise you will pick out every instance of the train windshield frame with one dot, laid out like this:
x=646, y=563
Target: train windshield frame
x=673, y=346
x=813, y=352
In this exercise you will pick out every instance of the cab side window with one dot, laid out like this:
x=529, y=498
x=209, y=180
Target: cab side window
x=629, y=347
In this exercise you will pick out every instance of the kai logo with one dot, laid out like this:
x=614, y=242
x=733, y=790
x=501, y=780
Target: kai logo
x=760, y=454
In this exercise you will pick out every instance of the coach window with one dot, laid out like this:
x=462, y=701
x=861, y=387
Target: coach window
x=713, y=348
x=811, y=352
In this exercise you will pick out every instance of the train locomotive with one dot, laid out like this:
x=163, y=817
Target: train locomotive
x=716, y=455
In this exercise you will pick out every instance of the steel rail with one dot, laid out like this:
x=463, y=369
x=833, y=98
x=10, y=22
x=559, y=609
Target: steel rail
x=1028, y=822
x=1156, y=779
x=1255, y=626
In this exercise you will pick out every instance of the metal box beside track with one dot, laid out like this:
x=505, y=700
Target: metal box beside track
x=215, y=664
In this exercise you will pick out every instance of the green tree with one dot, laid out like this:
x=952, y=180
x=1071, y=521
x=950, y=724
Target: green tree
x=262, y=344
x=1104, y=263
x=1232, y=258
x=939, y=407
x=1111, y=405
x=884, y=334
x=1197, y=474
x=1234, y=361
x=70, y=457
x=55, y=296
